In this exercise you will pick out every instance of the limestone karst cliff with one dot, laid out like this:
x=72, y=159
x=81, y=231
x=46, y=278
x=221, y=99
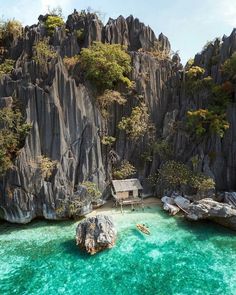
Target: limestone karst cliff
x=67, y=123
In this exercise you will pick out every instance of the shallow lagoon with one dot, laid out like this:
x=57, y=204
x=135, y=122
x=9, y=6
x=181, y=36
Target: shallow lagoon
x=178, y=258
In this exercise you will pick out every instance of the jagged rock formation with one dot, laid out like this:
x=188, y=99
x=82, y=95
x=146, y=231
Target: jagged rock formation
x=95, y=234
x=209, y=209
x=66, y=122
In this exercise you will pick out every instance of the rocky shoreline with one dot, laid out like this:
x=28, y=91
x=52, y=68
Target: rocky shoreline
x=222, y=212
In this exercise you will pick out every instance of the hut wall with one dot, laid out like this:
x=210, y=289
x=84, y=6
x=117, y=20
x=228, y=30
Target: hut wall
x=135, y=193
x=122, y=195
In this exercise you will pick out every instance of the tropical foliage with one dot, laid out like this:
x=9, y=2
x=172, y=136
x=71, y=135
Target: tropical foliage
x=175, y=175
x=43, y=52
x=10, y=28
x=204, y=120
x=106, y=65
x=46, y=166
x=12, y=136
x=125, y=170
x=52, y=22
x=136, y=125
x=108, y=140
x=107, y=99
x=70, y=62
x=6, y=67
x=229, y=67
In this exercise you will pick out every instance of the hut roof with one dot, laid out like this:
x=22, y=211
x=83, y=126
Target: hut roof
x=126, y=185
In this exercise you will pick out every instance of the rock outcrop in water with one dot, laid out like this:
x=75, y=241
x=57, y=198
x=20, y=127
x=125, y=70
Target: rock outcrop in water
x=67, y=124
x=95, y=234
x=221, y=213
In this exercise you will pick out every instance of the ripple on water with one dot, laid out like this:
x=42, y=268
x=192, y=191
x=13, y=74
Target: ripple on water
x=177, y=258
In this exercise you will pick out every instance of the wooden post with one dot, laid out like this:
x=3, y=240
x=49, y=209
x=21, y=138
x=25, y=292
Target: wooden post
x=121, y=207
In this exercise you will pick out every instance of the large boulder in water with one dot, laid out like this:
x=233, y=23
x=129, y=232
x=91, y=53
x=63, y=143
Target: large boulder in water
x=96, y=233
x=221, y=213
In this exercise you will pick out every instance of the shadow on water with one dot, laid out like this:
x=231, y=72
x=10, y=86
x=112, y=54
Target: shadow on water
x=71, y=248
x=202, y=228
x=7, y=227
x=137, y=234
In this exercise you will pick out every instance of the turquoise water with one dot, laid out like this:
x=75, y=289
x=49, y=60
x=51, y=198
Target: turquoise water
x=178, y=258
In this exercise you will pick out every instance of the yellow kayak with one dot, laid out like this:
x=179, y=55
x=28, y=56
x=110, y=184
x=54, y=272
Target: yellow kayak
x=143, y=229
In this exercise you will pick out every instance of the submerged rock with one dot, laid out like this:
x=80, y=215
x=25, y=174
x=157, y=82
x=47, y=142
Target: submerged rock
x=95, y=234
x=221, y=213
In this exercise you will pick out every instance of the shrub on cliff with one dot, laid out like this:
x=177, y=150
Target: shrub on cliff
x=11, y=28
x=136, y=125
x=108, y=140
x=52, y=22
x=70, y=62
x=202, y=183
x=92, y=189
x=12, y=135
x=195, y=73
x=106, y=65
x=46, y=166
x=74, y=204
x=229, y=67
x=176, y=175
x=203, y=121
x=6, y=67
x=107, y=99
x=124, y=170
x=80, y=34
x=43, y=52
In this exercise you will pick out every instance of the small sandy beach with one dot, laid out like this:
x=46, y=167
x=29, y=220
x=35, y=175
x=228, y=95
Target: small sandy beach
x=108, y=207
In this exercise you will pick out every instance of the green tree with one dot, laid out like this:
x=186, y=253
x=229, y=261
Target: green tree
x=43, y=52
x=176, y=175
x=124, y=170
x=10, y=28
x=204, y=121
x=12, y=136
x=6, y=67
x=173, y=175
x=202, y=183
x=52, y=22
x=136, y=125
x=107, y=99
x=229, y=67
x=106, y=65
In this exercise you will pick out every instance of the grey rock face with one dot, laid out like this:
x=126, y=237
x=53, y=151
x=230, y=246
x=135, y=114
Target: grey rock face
x=65, y=125
x=169, y=205
x=230, y=198
x=66, y=120
x=175, y=203
x=221, y=213
x=95, y=234
x=182, y=202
